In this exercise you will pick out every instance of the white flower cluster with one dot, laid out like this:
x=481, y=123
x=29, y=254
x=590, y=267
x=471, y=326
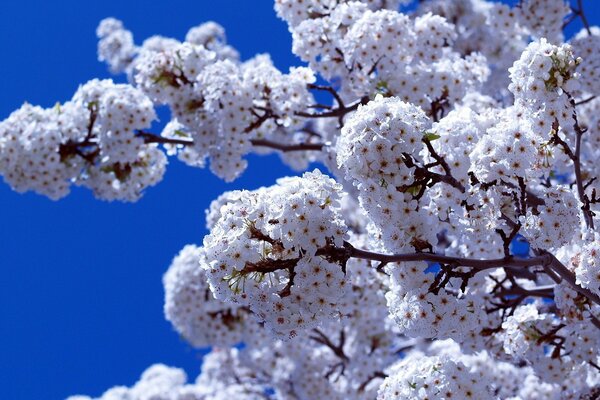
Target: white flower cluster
x=217, y=382
x=90, y=141
x=528, y=335
x=217, y=102
x=419, y=312
x=30, y=142
x=238, y=97
x=557, y=222
x=115, y=45
x=509, y=150
x=374, y=140
x=588, y=267
x=342, y=359
x=127, y=165
x=262, y=252
x=294, y=12
x=192, y=309
x=588, y=48
x=421, y=377
x=520, y=329
x=489, y=28
x=212, y=36
x=384, y=51
x=543, y=18
x=542, y=80
x=512, y=382
x=469, y=218
x=376, y=149
x=590, y=147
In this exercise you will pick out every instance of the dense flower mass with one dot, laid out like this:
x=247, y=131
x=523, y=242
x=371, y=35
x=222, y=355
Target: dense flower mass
x=90, y=141
x=588, y=266
x=262, y=252
x=432, y=378
x=192, y=309
x=453, y=254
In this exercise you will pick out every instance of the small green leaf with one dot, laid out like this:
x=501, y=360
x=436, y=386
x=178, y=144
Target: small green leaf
x=326, y=203
x=414, y=189
x=180, y=133
x=431, y=136
x=92, y=105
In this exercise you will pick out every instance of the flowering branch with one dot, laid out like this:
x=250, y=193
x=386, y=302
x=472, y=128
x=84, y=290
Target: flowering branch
x=339, y=112
x=341, y=255
x=576, y=158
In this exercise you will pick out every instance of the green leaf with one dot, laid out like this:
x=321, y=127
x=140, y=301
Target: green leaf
x=381, y=86
x=180, y=133
x=414, y=189
x=92, y=105
x=431, y=136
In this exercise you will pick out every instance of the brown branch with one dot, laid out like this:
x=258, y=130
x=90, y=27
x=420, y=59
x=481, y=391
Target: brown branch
x=152, y=138
x=579, y=131
x=375, y=375
x=558, y=141
x=438, y=107
x=579, y=11
x=447, y=177
x=539, y=291
x=570, y=18
x=339, y=112
x=594, y=392
x=575, y=157
x=330, y=90
x=93, y=107
x=595, y=320
x=507, y=239
x=565, y=274
x=287, y=147
x=425, y=178
x=269, y=265
x=531, y=199
x=584, y=101
x=477, y=264
x=553, y=267
x=261, y=119
x=338, y=349
x=71, y=148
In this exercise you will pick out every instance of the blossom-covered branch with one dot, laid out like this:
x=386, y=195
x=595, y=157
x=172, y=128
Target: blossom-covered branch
x=453, y=251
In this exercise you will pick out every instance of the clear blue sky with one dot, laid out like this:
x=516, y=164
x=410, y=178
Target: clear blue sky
x=80, y=284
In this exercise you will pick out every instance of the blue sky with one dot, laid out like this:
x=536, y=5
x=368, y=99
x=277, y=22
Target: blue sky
x=81, y=292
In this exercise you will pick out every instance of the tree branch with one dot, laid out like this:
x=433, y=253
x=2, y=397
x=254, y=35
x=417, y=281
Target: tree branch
x=287, y=147
x=582, y=16
x=477, y=264
x=152, y=138
x=339, y=112
x=576, y=158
